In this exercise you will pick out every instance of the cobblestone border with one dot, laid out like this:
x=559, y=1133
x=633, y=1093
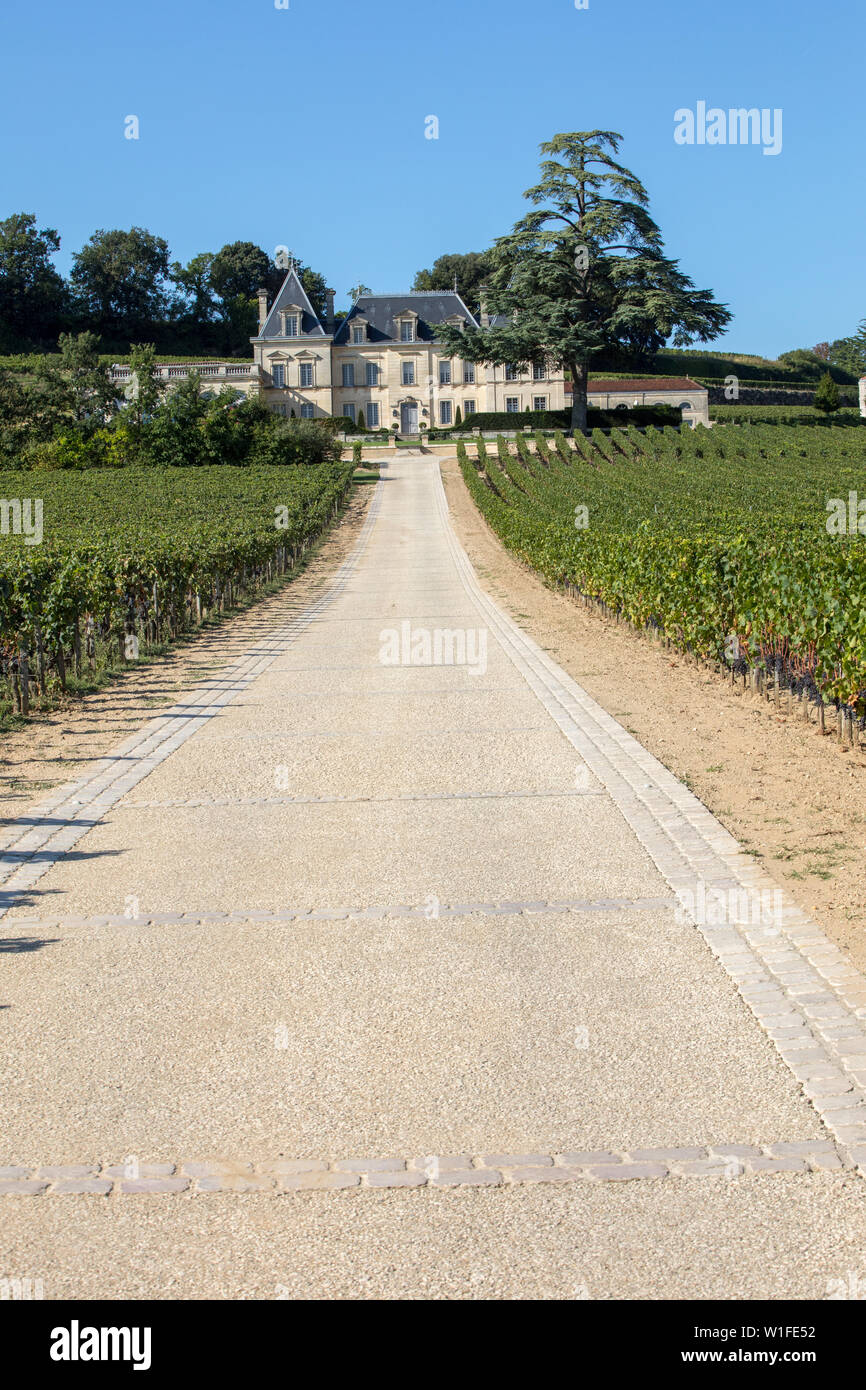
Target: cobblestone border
x=805, y=994
x=334, y=914
x=279, y=1175
x=33, y=843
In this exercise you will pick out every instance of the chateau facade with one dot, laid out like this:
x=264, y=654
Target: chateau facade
x=384, y=359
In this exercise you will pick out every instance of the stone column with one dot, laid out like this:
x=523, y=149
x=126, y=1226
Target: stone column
x=863, y=396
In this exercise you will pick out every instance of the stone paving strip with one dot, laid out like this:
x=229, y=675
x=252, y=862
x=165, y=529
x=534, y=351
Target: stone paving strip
x=281, y=1175
x=327, y=914
x=351, y=800
x=804, y=993
x=34, y=842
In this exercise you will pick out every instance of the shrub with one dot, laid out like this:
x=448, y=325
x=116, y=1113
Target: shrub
x=827, y=394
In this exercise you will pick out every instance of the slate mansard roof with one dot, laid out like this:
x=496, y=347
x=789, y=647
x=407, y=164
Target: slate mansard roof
x=382, y=311
x=292, y=293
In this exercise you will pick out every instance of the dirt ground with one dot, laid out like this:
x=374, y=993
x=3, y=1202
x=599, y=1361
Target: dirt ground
x=793, y=799
x=60, y=745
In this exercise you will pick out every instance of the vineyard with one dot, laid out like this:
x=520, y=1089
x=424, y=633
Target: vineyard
x=127, y=561
x=715, y=541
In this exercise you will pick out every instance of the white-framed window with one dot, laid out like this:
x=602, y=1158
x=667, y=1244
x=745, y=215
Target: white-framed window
x=511, y=373
x=348, y=374
x=407, y=331
x=468, y=373
x=539, y=402
x=373, y=415
x=278, y=374
x=444, y=373
x=306, y=373
x=468, y=408
x=359, y=335
x=349, y=412
x=445, y=412
x=512, y=404
x=291, y=328
x=372, y=373
x=307, y=411
x=539, y=371
x=408, y=374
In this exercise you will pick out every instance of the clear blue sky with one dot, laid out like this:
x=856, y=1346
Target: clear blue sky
x=305, y=127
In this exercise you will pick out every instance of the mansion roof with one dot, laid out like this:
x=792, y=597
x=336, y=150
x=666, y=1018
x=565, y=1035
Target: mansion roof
x=382, y=311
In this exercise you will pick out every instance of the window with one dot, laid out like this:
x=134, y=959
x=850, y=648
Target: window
x=512, y=404
x=372, y=374
x=468, y=373
x=444, y=373
x=445, y=412
x=306, y=373
x=373, y=415
x=539, y=371
x=468, y=408
x=278, y=374
x=408, y=373
x=348, y=374
x=407, y=331
x=539, y=402
x=349, y=412
x=359, y=335
x=291, y=325
x=307, y=411
x=511, y=373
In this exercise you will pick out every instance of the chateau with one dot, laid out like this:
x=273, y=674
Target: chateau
x=383, y=359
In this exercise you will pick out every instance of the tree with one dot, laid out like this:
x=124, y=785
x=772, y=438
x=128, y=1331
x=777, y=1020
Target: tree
x=93, y=395
x=827, y=394
x=120, y=281
x=33, y=297
x=470, y=269
x=194, y=282
x=362, y=423
x=358, y=291
x=822, y=350
x=240, y=269
x=850, y=353
x=147, y=389
x=585, y=273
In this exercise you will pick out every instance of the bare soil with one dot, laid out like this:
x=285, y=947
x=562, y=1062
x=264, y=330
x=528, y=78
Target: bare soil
x=60, y=745
x=794, y=799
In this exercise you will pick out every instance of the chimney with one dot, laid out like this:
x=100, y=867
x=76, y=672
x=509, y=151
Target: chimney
x=329, y=297
x=263, y=307
x=483, y=316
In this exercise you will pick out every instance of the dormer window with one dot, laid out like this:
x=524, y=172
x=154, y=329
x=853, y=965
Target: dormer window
x=291, y=324
x=359, y=335
x=407, y=331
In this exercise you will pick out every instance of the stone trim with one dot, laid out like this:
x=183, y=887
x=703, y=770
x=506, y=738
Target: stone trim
x=420, y=912
x=282, y=1175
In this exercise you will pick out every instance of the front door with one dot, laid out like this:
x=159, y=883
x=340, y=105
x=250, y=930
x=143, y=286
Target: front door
x=409, y=418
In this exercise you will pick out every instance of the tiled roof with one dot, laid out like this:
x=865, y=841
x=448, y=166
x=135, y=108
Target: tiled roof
x=382, y=310
x=292, y=292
